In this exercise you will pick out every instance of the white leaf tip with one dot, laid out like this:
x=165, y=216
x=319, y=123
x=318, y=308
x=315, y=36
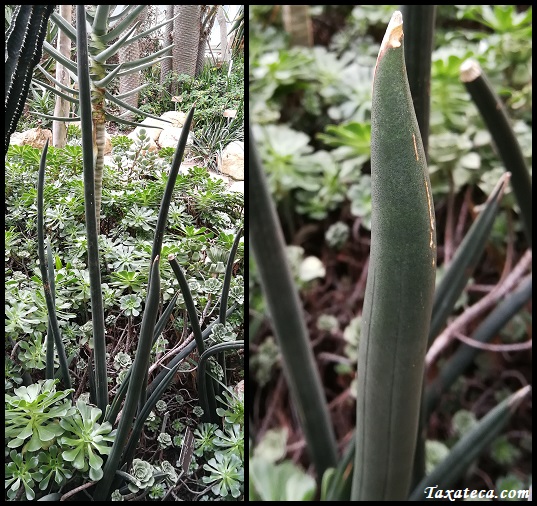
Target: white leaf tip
x=469, y=70
x=394, y=32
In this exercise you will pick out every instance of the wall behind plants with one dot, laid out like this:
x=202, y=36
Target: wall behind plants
x=310, y=109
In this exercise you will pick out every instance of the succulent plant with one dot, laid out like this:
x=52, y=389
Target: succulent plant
x=33, y=412
x=86, y=437
x=142, y=472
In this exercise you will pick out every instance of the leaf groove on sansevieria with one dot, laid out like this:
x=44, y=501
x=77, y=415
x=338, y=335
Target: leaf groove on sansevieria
x=400, y=286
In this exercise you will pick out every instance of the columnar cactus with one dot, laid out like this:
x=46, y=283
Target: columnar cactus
x=24, y=42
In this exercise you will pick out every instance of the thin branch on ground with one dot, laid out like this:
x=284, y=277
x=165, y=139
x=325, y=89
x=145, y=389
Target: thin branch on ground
x=506, y=284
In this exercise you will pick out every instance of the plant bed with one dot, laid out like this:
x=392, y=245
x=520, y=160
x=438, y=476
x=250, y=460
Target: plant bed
x=201, y=215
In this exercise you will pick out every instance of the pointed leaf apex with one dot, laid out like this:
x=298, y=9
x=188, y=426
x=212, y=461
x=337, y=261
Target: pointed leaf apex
x=392, y=38
x=497, y=192
x=394, y=33
x=519, y=396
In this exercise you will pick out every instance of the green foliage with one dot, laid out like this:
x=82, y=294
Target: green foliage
x=171, y=475
x=131, y=304
x=212, y=92
x=504, y=453
x=222, y=449
x=19, y=472
x=233, y=414
x=226, y=475
x=210, y=139
x=164, y=440
x=337, y=234
x=310, y=109
x=153, y=421
x=33, y=412
x=279, y=482
x=161, y=406
x=508, y=486
x=204, y=438
x=463, y=421
x=33, y=354
x=12, y=374
x=332, y=91
x=126, y=250
x=86, y=438
x=264, y=361
x=42, y=101
x=122, y=360
x=328, y=323
x=295, y=167
x=231, y=440
x=201, y=215
x=435, y=452
x=142, y=472
x=52, y=466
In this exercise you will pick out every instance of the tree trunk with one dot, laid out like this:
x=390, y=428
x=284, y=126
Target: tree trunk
x=297, y=23
x=62, y=106
x=166, y=65
x=222, y=21
x=208, y=17
x=186, y=30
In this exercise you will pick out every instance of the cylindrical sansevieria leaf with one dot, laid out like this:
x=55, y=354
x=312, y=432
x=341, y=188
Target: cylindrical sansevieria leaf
x=495, y=115
x=468, y=448
x=400, y=285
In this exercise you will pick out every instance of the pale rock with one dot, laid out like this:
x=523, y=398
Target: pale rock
x=239, y=388
x=186, y=165
x=237, y=186
x=231, y=161
x=154, y=133
x=177, y=118
x=107, y=144
x=16, y=139
x=35, y=137
x=108, y=160
x=229, y=113
x=169, y=138
x=219, y=177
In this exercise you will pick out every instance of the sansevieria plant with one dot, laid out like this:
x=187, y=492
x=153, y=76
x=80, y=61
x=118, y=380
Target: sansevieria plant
x=137, y=395
x=402, y=313
x=400, y=284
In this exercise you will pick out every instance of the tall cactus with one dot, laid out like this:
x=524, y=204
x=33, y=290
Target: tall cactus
x=24, y=42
